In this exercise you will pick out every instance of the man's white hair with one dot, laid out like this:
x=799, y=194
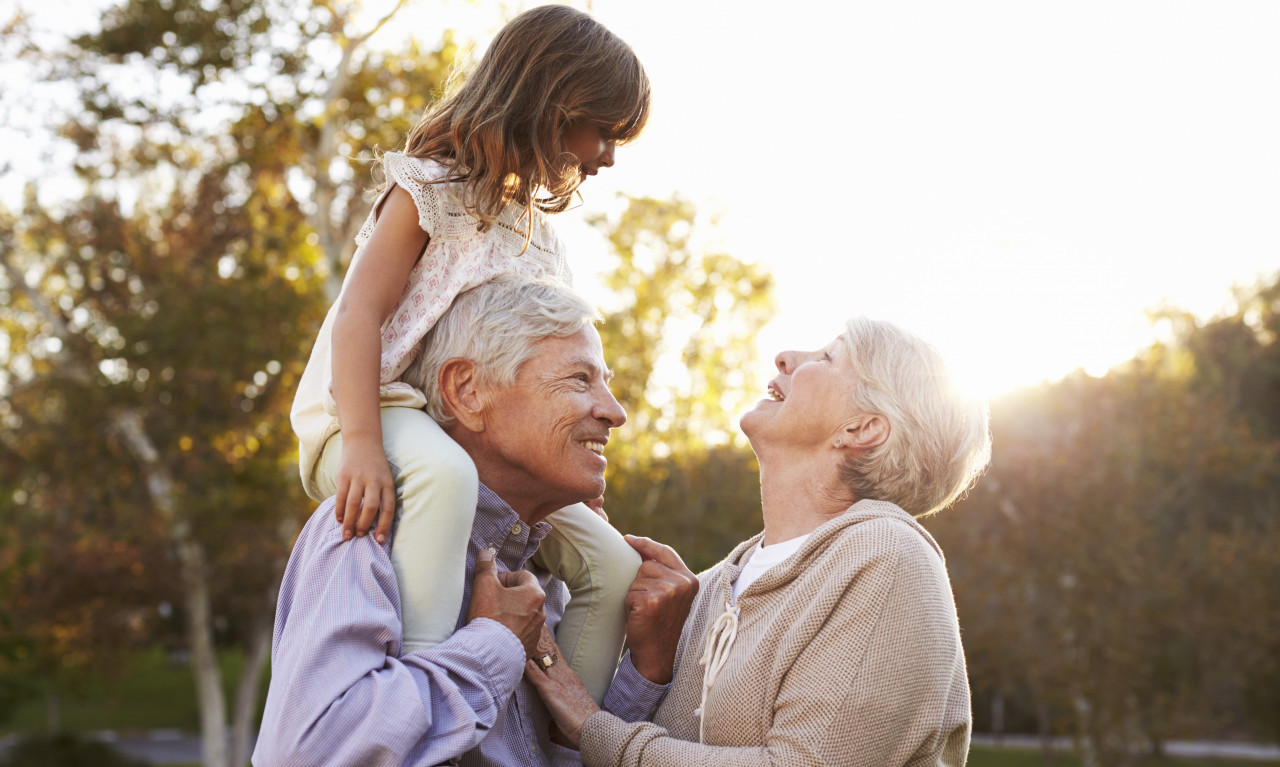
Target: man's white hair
x=496, y=325
x=939, y=439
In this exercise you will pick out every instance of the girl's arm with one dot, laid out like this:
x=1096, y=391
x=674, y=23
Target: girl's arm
x=371, y=293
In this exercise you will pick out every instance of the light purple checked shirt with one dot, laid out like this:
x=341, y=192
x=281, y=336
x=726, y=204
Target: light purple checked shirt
x=342, y=694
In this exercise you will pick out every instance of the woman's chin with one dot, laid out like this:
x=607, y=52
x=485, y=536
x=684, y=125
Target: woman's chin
x=751, y=420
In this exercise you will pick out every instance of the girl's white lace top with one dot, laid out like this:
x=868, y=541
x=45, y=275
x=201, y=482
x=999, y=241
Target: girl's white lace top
x=458, y=257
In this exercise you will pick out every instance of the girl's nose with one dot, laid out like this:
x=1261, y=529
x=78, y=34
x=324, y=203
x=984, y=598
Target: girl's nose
x=606, y=159
x=785, y=361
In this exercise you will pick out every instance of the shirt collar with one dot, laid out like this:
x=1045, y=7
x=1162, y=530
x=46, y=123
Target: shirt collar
x=497, y=526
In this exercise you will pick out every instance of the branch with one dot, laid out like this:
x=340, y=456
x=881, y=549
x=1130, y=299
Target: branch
x=356, y=42
x=76, y=370
x=37, y=299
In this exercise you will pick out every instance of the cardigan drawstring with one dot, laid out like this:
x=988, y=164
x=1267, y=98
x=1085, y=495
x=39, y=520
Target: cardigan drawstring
x=715, y=653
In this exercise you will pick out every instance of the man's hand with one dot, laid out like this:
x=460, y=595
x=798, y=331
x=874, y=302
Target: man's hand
x=657, y=605
x=513, y=599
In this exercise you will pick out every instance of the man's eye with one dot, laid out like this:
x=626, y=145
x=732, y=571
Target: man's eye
x=583, y=377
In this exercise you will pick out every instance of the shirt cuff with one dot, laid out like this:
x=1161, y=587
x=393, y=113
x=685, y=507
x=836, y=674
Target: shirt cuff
x=631, y=697
x=494, y=648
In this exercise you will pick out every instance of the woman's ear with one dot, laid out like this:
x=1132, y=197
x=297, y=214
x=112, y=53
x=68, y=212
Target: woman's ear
x=867, y=431
x=460, y=388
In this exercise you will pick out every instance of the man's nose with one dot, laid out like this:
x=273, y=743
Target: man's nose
x=609, y=410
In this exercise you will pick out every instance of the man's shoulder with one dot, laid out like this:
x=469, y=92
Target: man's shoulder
x=321, y=545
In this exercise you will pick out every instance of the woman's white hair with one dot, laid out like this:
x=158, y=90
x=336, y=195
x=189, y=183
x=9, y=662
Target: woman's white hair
x=496, y=325
x=939, y=439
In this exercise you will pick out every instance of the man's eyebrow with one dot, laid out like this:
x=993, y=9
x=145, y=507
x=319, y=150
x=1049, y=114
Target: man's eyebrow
x=591, y=367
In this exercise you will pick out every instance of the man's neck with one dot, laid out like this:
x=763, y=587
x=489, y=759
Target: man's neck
x=532, y=506
x=530, y=511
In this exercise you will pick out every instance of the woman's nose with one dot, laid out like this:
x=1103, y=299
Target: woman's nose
x=785, y=362
x=606, y=158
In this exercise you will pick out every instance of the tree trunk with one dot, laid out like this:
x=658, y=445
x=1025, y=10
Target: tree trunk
x=195, y=588
x=997, y=717
x=1085, y=739
x=257, y=653
x=52, y=711
x=1047, y=753
x=204, y=657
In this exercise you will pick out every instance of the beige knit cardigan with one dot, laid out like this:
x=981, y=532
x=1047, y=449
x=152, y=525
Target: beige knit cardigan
x=847, y=653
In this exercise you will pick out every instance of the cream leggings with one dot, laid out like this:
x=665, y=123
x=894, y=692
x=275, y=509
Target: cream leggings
x=436, y=503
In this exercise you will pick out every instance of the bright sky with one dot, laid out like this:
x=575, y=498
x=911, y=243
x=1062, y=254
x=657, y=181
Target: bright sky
x=1016, y=181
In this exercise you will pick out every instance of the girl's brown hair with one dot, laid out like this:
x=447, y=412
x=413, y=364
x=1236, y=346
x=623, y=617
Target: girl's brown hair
x=501, y=131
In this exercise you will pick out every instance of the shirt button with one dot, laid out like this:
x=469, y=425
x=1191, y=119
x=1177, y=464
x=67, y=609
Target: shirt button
x=515, y=529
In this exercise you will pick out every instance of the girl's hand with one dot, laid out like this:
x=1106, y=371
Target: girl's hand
x=562, y=690
x=597, y=505
x=365, y=487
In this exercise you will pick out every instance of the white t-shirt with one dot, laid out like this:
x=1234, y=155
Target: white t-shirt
x=763, y=558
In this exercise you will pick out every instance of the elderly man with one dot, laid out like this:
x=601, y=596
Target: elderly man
x=341, y=692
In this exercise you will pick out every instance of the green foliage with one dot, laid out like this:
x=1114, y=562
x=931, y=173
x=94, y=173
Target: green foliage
x=1116, y=570
x=223, y=153
x=152, y=690
x=680, y=470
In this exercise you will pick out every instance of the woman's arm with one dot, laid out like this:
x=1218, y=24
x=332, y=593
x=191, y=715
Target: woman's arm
x=371, y=292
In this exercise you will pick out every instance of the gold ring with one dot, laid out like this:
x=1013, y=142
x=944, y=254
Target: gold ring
x=545, y=661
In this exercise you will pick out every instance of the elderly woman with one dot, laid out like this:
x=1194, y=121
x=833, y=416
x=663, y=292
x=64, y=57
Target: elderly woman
x=830, y=638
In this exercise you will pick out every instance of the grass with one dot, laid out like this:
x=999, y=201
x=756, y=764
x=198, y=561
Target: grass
x=150, y=694
x=154, y=694
x=987, y=756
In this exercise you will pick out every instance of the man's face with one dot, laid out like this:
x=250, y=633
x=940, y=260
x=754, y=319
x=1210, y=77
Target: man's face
x=545, y=434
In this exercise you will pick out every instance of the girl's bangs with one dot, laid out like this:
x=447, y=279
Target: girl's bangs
x=626, y=116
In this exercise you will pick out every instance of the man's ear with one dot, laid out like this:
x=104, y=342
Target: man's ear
x=865, y=432
x=460, y=388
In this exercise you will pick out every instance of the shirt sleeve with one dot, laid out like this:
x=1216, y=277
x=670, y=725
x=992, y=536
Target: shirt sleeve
x=630, y=696
x=338, y=693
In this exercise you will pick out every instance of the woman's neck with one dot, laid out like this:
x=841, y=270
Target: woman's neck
x=797, y=496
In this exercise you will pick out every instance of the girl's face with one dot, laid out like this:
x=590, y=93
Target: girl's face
x=590, y=149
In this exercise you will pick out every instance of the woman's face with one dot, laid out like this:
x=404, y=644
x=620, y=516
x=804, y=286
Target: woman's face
x=810, y=401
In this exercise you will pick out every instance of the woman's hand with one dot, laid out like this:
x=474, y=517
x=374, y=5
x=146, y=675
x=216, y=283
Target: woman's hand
x=657, y=605
x=365, y=487
x=566, y=697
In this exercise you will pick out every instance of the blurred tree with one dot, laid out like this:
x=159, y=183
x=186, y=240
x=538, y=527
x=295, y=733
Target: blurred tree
x=1114, y=569
x=154, y=329
x=681, y=340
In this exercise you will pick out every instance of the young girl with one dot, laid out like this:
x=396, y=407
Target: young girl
x=463, y=203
